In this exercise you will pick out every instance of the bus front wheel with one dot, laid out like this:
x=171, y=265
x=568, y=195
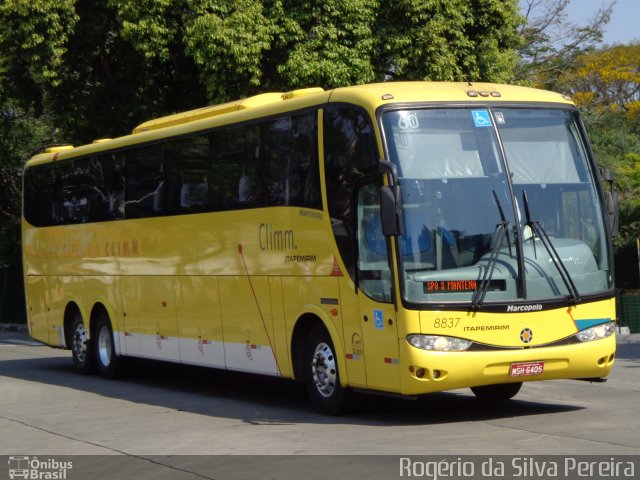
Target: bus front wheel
x=321, y=373
x=497, y=393
x=109, y=363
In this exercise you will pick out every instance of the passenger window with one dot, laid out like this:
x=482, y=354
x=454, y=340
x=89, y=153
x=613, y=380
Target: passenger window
x=290, y=161
x=190, y=160
x=146, y=189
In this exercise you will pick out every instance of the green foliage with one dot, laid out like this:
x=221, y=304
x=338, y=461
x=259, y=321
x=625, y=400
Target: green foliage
x=448, y=40
x=605, y=85
x=21, y=134
x=97, y=68
x=227, y=40
x=101, y=66
x=329, y=44
x=33, y=39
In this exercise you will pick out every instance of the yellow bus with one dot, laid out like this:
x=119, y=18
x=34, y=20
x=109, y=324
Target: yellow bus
x=404, y=238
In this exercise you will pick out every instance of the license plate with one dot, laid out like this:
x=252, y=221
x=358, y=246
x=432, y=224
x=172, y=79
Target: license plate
x=526, y=369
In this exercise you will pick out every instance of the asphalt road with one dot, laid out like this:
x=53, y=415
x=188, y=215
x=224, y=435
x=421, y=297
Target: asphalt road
x=48, y=409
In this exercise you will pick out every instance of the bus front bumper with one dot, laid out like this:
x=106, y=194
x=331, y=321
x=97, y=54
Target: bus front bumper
x=428, y=371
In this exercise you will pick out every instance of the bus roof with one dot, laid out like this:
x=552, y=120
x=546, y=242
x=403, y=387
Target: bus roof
x=369, y=96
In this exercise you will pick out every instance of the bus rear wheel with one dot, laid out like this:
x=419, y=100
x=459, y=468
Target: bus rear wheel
x=321, y=373
x=81, y=346
x=497, y=393
x=110, y=364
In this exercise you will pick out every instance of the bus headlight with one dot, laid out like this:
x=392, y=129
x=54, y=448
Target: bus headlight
x=597, y=333
x=438, y=343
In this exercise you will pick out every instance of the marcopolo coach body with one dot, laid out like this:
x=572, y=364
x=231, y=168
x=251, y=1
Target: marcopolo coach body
x=400, y=237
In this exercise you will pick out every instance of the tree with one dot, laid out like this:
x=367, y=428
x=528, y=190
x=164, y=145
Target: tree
x=21, y=134
x=100, y=67
x=76, y=70
x=551, y=43
x=448, y=40
x=607, y=79
x=605, y=84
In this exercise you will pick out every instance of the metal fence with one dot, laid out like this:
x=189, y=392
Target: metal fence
x=629, y=311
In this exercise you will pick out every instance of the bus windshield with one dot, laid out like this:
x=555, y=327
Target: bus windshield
x=499, y=204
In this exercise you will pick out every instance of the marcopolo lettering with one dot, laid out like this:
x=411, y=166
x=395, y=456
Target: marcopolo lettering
x=524, y=308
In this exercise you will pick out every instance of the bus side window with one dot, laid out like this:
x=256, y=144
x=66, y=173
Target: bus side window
x=146, y=182
x=236, y=176
x=74, y=189
x=350, y=153
x=41, y=207
x=190, y=161
x=114, y=184
x=290, y=161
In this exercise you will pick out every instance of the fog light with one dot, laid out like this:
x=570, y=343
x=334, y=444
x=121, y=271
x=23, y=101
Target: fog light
x=420, y=373
x=438, y=343
x=598, y=332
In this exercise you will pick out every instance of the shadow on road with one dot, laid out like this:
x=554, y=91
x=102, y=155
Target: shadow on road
x=257, y=399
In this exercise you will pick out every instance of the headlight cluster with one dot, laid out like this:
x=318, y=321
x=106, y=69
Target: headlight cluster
x=438, y=343
x=597, y=333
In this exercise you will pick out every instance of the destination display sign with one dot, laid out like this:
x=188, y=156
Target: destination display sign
x=442, y=286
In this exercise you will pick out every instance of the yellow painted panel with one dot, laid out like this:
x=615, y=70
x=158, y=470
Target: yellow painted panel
x=37, y=308
x=280, y=335
x=504, y=329
x=352, y=331
x=199, y=321
x=149, y=303
x=245, y=305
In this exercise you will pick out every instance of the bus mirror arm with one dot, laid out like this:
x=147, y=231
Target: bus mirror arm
x=391, y=170
x=390, y=201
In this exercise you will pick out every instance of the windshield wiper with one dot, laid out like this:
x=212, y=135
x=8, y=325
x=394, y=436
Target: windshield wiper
x=478, y=297
x=538, y=230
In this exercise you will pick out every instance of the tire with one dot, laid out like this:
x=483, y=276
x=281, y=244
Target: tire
x=497, y=393
x=321, y=376
x=82, y=346
x=110, y=365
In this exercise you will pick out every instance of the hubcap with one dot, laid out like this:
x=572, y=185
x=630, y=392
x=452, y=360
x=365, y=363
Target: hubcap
x=104, y=346
x=323, y=368
x=80, y=343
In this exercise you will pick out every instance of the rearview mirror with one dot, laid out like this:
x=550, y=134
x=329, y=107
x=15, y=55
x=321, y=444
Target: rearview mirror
x=390, y=211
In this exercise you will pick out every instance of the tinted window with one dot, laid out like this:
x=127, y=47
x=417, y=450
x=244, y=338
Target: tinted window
x=75, y=184
x=237, y=176
x=146, y=185
x=290, y=161
x=190, y=162
x=268, y=163
x=41, y=208
x=350, y=153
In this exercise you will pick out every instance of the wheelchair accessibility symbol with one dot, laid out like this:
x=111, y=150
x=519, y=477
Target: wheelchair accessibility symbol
x=481, y=118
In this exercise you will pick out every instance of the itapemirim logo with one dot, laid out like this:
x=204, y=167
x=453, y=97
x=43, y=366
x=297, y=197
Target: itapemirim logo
x=35, y=469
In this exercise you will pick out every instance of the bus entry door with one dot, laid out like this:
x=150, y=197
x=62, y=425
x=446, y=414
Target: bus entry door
x=377, y=311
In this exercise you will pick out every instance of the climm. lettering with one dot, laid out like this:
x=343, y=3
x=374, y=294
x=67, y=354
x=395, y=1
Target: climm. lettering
x=271, y=239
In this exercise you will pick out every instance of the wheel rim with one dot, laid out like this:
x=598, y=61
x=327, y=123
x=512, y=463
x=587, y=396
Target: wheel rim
x=80, y=342
x=324, y=371
x=104, y=346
